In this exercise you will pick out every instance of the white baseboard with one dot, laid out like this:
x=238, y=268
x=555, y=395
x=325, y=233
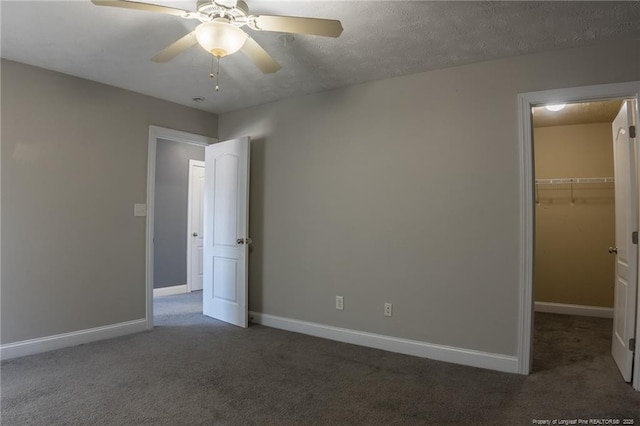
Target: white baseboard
x=59, y=341
x=586, y=311
x=505, y=363
x=170, y=291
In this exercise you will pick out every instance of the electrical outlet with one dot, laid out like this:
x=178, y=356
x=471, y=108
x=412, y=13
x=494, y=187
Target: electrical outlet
x=388, y=308
x=340, y=303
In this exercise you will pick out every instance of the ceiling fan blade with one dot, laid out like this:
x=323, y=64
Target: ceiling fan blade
x=141, y=6
x=175, y=48
x=296, y=25
x=259, y=56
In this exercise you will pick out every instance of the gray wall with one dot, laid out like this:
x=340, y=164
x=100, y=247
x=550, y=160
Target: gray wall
x=170, y=214
x=74, y=162
x=403, y=190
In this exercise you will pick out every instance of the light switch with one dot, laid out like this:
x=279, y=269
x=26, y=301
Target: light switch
x=139, y=209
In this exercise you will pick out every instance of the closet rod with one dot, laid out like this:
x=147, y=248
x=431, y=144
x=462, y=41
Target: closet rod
x=565, y=181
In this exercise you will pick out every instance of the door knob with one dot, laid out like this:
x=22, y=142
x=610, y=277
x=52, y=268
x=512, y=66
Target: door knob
x=613, y=250
x=240, y=241
x=195, y=234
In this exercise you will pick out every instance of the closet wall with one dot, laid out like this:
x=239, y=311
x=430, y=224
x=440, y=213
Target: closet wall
x=572, y=264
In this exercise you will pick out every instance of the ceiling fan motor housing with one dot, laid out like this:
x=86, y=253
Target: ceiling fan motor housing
x=235, y=11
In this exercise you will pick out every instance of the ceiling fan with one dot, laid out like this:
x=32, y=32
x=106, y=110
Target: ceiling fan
x=219, y=32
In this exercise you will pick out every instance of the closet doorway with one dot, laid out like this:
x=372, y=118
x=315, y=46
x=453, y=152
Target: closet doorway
x=585, y=207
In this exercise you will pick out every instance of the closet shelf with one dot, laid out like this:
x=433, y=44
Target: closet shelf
x=564, y=181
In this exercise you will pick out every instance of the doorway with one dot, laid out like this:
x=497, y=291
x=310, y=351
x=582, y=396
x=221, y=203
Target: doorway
x=177, y=217
x=168, y=242
x=575, y=221
x=528, y=101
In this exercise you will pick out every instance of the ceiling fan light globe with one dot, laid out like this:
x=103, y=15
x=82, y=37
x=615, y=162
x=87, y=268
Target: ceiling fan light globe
x=220, y=38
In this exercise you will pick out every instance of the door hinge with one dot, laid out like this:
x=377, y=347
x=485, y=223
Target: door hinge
x=634, y=237
x=632, y=345
x=632, y=131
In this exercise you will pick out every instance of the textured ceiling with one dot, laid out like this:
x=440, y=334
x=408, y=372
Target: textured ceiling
x=582, y=113
x=380, y=40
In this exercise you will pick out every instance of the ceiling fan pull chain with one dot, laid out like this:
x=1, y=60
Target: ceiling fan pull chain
x=218, y=75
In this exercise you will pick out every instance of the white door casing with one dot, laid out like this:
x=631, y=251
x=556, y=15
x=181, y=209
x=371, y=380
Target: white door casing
x=226, y=226
x=195, y=233
x=626, y=271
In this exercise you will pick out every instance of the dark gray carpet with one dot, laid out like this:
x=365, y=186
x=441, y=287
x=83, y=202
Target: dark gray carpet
x=193, y=370
x=565, y=340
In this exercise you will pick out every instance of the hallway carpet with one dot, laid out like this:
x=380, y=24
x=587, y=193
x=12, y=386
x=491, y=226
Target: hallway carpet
x=193, y=370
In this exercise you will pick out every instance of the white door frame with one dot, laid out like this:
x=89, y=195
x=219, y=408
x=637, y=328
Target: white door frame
x=156, y=133
x=526, y=101
x=190, y=200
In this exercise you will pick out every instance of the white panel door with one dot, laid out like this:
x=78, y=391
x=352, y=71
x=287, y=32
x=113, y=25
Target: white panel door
x=226, y=224
x=195, y=228
x=626, y=275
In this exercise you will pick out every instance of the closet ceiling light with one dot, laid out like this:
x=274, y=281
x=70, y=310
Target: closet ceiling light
x=556, y=107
